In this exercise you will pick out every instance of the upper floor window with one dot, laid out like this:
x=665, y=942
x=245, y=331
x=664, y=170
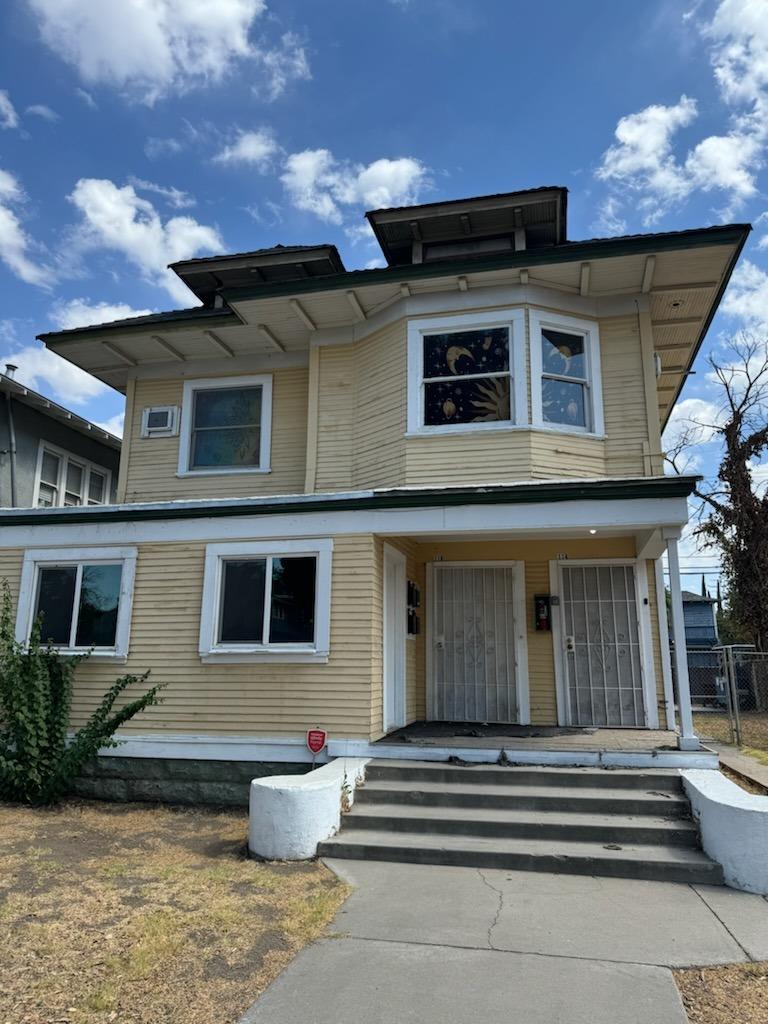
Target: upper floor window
x=225, y=425
x=80, y=596
x=64, y=479
x=565, y=373
x=466, y=372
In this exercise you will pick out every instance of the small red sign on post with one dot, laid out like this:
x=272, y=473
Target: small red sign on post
x=316, y=740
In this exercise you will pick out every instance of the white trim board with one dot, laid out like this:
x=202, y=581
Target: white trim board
x=394, y=628
x=188, y=747
x=573, y=518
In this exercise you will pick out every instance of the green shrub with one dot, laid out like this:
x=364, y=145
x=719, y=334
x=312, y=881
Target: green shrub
x=37, y=763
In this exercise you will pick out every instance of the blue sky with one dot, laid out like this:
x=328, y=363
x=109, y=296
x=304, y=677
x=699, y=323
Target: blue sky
x=135, y=132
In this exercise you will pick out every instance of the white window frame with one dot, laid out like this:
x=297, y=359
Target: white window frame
x=514, y=319
x=87, y=467
x=210, y=616
x=35, y=559
x=168, y=431
x=212, y=384
x=590, y=331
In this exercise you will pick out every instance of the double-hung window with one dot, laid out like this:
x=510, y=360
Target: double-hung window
x=466, y=372
x=80, y=597
x=565, y=373
x=266, y=601
x=225, y=425
x=64, y=479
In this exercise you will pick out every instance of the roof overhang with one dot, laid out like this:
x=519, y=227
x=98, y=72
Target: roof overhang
x=24, y=395
x=680, y=276
x=380, y=500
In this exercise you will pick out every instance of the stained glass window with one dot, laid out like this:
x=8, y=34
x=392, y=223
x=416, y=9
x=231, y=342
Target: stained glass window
x=226, y=428
x=564, y=381
x=467, y=377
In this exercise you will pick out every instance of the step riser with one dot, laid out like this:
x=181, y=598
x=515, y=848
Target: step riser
x=661, y=808
x=517, y=777
x=527, y=862
x=528, y=830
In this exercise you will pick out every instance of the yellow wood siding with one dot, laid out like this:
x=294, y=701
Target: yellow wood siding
x=335, y=419
x=152, y=463
x=380, y=404
x=252, y=699
x=624, y=405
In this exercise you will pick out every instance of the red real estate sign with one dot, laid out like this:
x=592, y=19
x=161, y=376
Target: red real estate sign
x=316, y=739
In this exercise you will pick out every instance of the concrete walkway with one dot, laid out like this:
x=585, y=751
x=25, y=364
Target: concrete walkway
x=443, y=945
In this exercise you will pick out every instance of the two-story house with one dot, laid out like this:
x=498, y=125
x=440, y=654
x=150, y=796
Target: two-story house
x=362, y=499
x=49, y=456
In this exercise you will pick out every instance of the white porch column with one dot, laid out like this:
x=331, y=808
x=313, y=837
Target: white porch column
x=688, y=739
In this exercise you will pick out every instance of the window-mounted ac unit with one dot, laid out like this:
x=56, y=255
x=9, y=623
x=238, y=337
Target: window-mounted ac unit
x=160, y=421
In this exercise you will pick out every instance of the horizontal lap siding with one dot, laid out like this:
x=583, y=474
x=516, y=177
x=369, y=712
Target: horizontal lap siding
x=335, y=418
x=152, y=463
x=626, y=418
x=252, y=699
x=380, y=409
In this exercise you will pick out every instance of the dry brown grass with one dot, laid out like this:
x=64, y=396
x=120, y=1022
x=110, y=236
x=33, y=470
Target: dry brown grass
x=145, y=915
x=736, y=994
x=754, y=730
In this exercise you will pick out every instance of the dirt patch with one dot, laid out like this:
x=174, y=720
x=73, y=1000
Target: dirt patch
x=742, y=781
x=736, y=994
x=138, y=914
x=754, y=730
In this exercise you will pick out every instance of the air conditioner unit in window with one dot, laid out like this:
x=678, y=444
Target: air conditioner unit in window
x=160, y=421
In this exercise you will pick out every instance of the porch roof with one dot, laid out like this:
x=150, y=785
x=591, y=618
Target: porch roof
x=522, y=493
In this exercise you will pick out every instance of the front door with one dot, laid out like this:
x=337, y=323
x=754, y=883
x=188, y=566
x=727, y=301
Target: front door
x=602, y=645
x=473, y=650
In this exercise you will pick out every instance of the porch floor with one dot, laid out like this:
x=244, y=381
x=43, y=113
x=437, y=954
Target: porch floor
x=530, y=737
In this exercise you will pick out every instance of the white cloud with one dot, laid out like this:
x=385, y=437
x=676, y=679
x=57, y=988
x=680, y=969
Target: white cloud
x=8, y=116
x=285, y=63
x=609, y=220
x=154, y=48
x=83, y=313
x=747, y=296
x=42, y=111
x=46, y=372
x=697, y=419
x=15, y=243
x=319, y=183
x=644, y=160
x=155, y=148
x=87, y=99
x=114, y=425
x=257, y=148
x=175, y=197
x=118, y=219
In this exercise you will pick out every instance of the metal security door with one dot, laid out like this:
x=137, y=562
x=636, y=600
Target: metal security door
x=602, y=645
x=473, y=645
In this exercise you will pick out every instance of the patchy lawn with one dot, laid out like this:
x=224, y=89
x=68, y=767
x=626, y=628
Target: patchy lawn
x=145, y=915
x=736, y=994
x=754, y=730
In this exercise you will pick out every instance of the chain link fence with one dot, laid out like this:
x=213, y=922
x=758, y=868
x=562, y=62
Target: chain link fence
x=729, y=694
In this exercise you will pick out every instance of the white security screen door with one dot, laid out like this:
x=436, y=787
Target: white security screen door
x=601, y=637
x=473, y=644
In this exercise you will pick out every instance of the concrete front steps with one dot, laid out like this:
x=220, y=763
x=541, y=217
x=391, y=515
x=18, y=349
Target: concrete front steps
x=588, y=821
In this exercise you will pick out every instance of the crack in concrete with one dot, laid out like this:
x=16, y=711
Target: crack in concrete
x=499, y=908
x=722, y=922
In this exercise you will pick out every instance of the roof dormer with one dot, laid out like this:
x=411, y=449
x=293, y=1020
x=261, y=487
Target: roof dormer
x=482, y=226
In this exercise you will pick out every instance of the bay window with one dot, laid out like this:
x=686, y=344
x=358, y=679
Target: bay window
x=565, y=373
x=466, y=372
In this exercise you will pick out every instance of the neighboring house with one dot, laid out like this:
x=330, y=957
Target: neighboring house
x=704, y=669
x=700, y=617
x=49, y=456
x=361, y=499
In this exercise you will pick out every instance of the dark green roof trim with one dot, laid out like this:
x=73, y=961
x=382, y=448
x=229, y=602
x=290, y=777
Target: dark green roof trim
x=712, y=310
x=138, y=324
x=598, y=248
x=428, y=497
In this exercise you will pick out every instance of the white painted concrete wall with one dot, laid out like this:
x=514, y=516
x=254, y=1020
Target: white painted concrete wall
x=734, y=828
x=291, y=814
